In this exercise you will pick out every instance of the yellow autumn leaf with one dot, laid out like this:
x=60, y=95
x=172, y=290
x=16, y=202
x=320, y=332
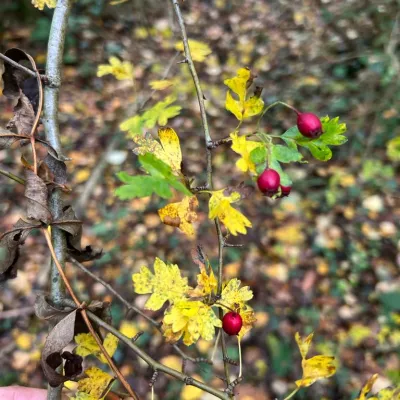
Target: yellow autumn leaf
x=83, y=396
x=220, y=207
x=244, y=147
x=181, y=214
x=367, y=387
x=167, y=150
x=129, y=329
x=234, y=296
x=388, y=394
x=248, y=319
x=206, y=283
x=97, y=383
x=161, y=85
x=198, y=50
x=87, y=345
x=244, y=107
x=41, y=3
x=145, y=282
x=317, y=367
x=192, y=319
x=119, y=69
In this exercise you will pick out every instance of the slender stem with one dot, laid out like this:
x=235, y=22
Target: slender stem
x=240, y=357
x=209, y=146
x=21, y=67
x=292, y=394
x=216, y=344
x=85, y=317
x=12, y=176
x=55, y=51
x=155, y=365
x=129, y=306
x=273, y=105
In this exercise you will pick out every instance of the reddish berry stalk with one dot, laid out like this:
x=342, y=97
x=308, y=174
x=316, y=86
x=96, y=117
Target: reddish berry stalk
x=232, y=323
x=309, y=125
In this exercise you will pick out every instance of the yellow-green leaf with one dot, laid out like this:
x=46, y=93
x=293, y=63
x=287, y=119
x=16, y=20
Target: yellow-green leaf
x=367, y=387
x=244, y=147
x=161, y=85
x=146, y=282
x=304, y=345
x=119, y=69
x=220, y=207
x=315, y=368
x=97, y=383
x=181, y=215
x=192, y=319
x=198, y=50
x=41, y=3
x=87, y=345
x=243, y=107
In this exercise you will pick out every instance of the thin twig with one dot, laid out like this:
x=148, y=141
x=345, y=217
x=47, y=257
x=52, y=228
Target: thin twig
x=17, y=312
x=86, y=318
x=155, y=365
x=38, y=112
x=208, y=146
x=130, y=306
x=22, y=68
x=12, y=176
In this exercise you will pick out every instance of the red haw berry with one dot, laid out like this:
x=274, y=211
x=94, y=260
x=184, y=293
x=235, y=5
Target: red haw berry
x=268, y=182
x=232, y=323
x=309, y=125
x=285, y=190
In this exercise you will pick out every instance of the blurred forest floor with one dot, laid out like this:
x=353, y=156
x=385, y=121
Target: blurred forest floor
x=325, y=259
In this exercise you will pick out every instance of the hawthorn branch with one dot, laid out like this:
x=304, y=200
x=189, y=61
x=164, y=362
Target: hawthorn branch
x=155, y=365
x=208, y=146
x=85, y=317
x=130, y=306
x=55, y=51
x=12, y=176
x=8, y=60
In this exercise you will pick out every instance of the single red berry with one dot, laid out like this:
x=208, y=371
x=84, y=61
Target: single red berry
x=232, y=323
x=309, y=125
x=285, y=190
x=268, y=182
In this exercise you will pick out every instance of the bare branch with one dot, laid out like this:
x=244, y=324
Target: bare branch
x=155, y=365
x=22, y=68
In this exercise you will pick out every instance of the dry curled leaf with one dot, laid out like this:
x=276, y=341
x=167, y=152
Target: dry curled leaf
x=9, y=248
x=70, y=224
x=36, y=193
x=59, y=337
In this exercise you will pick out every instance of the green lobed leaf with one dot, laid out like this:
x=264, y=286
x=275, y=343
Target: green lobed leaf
x=332, y=136
x=143, y=186
x=258, y=155
x=286, y=154
x=333, y=131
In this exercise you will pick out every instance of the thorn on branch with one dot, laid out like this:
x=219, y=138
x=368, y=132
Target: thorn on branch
x=188, y=380
x=215, y=143
x=231, y=387
x=199, y=188
x=233, y=245
x=185, y=61
x=137, y=336
x=231, y=361
x=153, y=378
x=199, y=360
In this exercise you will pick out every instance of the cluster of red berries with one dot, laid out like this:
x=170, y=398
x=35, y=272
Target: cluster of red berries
x=269, y=182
